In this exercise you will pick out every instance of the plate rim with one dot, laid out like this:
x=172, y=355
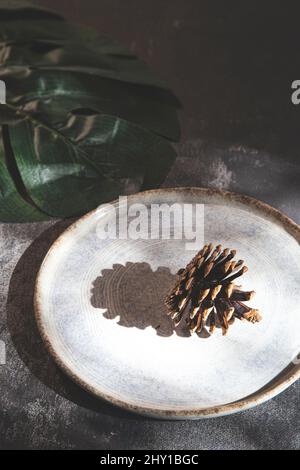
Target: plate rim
x=281, y=382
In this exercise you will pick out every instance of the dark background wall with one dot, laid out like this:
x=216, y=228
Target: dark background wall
x=230, y=62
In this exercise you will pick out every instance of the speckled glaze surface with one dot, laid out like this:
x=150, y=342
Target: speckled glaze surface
x=99, y=308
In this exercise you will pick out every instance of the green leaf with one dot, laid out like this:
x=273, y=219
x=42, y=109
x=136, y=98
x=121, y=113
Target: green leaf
x=54, y=93
x=85, y=120
x=24, y=34
x=102, y=58
x=60, y=45
x=13, y=208
x=24, y=9
x=94, y=158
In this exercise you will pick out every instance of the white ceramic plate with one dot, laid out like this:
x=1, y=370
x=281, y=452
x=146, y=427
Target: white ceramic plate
x=99, y=307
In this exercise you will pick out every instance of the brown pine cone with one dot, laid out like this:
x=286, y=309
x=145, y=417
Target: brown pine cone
x=206, y=287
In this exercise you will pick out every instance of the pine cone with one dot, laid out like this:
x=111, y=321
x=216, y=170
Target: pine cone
x=206, y=287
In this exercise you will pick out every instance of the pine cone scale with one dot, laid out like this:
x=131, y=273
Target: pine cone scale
x=206, y=284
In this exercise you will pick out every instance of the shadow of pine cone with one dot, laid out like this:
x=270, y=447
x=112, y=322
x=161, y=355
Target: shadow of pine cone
x=136, y=294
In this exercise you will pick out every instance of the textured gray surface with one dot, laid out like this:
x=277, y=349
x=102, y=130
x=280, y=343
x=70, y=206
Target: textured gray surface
x=236, y=89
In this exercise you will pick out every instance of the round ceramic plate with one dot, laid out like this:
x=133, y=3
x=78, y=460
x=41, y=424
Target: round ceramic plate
x=100, y=307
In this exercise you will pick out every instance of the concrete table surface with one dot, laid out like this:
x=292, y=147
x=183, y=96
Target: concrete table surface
x=232, y=66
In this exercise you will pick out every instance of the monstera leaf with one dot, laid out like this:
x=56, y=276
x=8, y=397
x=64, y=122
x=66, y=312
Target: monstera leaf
x=84, y=119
